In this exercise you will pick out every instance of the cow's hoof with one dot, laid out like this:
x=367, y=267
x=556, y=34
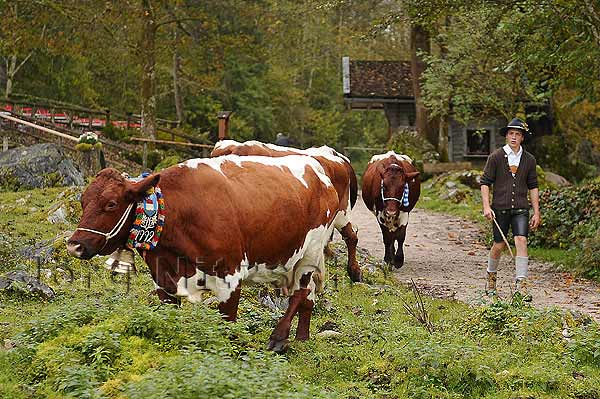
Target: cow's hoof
x=278, y=346
x=302, y=337
x=355, y=275
x=398, y=265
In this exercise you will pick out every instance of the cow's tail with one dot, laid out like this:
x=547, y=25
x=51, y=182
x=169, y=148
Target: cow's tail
x=353, y=185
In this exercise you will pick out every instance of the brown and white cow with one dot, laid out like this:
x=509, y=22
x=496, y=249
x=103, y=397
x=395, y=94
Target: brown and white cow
x=227, y=219
x=336, y=166
x=386, y=181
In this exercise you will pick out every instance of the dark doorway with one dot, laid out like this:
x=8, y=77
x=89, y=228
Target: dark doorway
x=478, y=142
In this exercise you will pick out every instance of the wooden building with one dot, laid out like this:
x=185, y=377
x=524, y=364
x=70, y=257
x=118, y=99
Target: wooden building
x=387, y=86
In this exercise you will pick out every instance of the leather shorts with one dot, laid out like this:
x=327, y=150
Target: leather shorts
x=516, y=219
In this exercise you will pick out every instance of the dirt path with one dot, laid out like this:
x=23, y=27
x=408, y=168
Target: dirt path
x=443, y=256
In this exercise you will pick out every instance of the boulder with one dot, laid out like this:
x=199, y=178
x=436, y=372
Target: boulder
x=38, y=166
x=556, y=179
x=32, y=285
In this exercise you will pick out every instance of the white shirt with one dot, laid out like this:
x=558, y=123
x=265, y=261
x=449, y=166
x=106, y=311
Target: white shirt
x=513, y=158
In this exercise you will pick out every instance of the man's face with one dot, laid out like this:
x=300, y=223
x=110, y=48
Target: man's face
x=514, y=137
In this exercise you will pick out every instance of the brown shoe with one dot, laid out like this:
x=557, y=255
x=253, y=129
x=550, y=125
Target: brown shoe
x=490, y=286
x=523, y=288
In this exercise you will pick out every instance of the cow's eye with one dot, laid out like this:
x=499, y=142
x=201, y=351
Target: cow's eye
x=111, y=205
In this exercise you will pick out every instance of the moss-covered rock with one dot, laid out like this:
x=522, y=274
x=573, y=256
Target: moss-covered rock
x=38, y=166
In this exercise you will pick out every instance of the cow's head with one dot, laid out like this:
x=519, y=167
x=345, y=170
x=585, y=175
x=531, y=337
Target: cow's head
x=393, y=179
x=107, y=215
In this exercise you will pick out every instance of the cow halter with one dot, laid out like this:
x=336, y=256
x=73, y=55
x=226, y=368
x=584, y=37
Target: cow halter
x=115, y=230
x=403, y=201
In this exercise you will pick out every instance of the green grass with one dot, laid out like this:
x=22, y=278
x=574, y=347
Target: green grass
x=471, y=210
x=97, y=339
x=560, y=257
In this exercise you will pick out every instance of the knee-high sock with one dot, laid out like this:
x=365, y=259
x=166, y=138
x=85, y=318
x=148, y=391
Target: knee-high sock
x=521, y=267
x=493, y=265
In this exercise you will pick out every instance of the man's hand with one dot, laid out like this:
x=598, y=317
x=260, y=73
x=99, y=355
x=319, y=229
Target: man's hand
x=535, y=221
x=488, y=213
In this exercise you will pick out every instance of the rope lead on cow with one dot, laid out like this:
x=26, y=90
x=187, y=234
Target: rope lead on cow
x=115, y=230
x=403, y=201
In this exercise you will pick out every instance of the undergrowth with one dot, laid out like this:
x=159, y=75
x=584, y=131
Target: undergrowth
x=102, y=337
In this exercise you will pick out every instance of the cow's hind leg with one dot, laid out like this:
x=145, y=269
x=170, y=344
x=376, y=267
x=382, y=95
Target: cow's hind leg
x=229, y=308
x=399, y=257
x=279, y=341
x=343, y=225
x=351, y=240
x=305, y=308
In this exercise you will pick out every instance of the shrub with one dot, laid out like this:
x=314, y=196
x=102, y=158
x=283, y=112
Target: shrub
x=570, y=214
x=117, y=134
x=571, y=220
x=8, y=181
x=167, y=162
x=578, y=165
x=416, y=147
x=255, y=375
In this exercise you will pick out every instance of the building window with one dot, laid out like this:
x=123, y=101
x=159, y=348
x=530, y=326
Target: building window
x=478, y=141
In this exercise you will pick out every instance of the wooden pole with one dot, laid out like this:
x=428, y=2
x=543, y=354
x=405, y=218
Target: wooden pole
x=145, y=155
x=5, y=143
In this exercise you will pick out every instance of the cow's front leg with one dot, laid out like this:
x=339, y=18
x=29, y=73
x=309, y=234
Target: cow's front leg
x=166, y=297
x=388, y=243
x=229, y=308
x=399, y=257
x=279, y=341
x=351, y=241
x=166, y=269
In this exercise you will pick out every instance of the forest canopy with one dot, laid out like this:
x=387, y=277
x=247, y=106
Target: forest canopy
x=277, y=63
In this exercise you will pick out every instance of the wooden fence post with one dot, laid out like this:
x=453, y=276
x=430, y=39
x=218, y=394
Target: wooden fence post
x=145, y=155
x=5, y=143
x=223, y=118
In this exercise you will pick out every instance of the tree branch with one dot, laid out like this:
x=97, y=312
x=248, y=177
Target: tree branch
x=178, y=21
x=595, y=20
x=23, y=62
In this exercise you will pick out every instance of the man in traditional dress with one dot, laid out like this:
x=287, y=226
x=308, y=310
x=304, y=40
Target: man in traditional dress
x=512, y=172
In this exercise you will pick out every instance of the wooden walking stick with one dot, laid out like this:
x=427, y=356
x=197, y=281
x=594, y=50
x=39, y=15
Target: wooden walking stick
x=503, y=236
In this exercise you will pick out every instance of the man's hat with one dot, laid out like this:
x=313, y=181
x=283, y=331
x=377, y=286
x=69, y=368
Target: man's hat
x=520, y=125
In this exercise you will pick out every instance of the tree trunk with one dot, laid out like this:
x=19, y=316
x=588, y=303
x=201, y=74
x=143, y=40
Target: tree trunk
x=10, y=75
x=419, y=42
x=443, y=139
x=443, y=118
x=176, y=88
x=147, y=53
x=393, y=116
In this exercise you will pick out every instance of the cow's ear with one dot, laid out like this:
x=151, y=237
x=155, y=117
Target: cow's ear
x=138, y=190
x=411, y=175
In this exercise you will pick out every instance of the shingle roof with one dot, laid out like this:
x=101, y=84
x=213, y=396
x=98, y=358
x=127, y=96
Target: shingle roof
x=384, y=79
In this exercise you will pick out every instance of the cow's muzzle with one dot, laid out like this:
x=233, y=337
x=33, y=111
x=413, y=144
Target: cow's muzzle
x=390, y=214
x=78, y=250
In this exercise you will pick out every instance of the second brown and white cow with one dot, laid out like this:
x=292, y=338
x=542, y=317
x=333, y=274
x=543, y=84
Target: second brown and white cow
x=338, y=169
x=226, y=220
x=390, y=189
